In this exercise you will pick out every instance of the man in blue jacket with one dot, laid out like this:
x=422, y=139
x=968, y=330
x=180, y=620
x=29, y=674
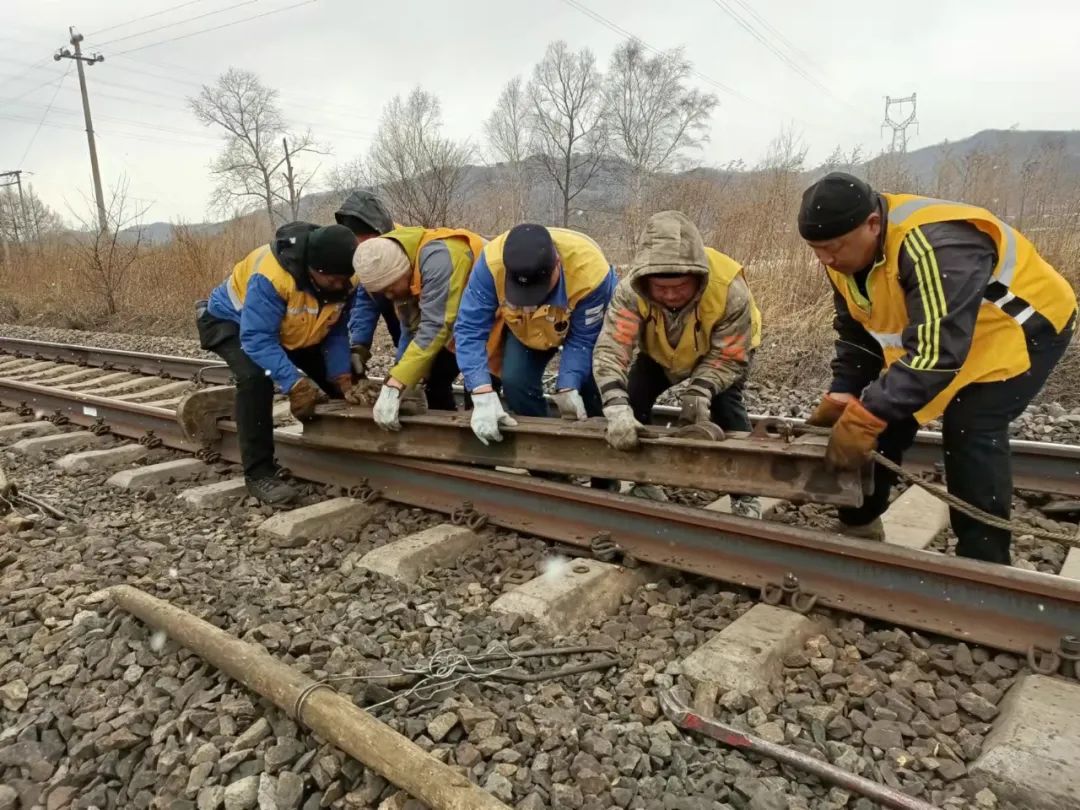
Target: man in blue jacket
x=364, y=214
x=281, y=318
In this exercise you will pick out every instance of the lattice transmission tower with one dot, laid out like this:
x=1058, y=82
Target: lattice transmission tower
x=899, y=122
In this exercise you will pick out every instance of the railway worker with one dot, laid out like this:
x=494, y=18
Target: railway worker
x=532, y=291
x=965, y=320
x=687, y=313
x=423, y=272
x=280, y=317
x=364, y=214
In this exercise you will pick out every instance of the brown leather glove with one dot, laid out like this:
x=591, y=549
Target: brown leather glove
x=829, y=410
x=854, y=438
x=344, y=383
x=303, y=397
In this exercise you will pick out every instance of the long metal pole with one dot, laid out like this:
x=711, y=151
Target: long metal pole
x=99, y=195
x=315, y=705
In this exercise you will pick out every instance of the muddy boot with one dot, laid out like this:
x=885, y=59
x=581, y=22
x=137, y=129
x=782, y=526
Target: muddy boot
x=271, y=490
x=874, y=530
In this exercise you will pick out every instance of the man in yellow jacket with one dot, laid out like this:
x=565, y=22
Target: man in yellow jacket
x=942, y=310
x=686, y=312
x=423, y=272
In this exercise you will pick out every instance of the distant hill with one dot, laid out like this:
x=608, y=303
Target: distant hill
x=607, y=193
x=1016, y=145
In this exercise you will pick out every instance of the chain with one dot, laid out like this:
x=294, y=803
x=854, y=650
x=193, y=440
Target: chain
x=960, y=505
x=974, y=512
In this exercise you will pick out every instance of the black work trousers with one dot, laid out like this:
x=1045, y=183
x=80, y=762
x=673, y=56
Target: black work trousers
x=255, y=390
x=648, y=380
x=978, y=464
x=439, y=385
x=389, y=316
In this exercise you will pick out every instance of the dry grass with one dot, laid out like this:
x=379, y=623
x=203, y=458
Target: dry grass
x=750, y=216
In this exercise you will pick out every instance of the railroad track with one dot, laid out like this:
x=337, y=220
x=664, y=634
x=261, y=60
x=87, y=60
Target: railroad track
x=134, y=395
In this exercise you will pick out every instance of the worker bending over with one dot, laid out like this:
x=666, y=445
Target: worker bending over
x=687, y=312
x=280, y=317
x=532, y=291
x=364, y=214
x=423, y=272
x=966, y=319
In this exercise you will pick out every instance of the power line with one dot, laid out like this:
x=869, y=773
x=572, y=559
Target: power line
x=45, y=115
x=145, y=17
x=137, y=123
x=178, y=22
x=52, y=78
x=286, y=99
x=40, y=63
x=623, y=32
x=217, y=27
x=769, y=45
x=791, y=46
x=109, y=133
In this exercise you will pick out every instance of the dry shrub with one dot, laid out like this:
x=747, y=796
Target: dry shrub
x=749, y=215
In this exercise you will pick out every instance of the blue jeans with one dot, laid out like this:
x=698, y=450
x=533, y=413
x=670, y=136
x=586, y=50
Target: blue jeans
x=522, y=380
x=522, y=385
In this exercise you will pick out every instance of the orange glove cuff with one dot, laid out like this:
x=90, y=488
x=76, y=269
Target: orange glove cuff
x=856, y=413
x=827, y=412
x=854, y=437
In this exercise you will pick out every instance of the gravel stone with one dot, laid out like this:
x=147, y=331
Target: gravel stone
x=242, y=794
x=13, y=695
x=978, y=706
x=290, y=791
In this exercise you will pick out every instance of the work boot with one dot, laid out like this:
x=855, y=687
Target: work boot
x=270, y=490
x=650, y=492
x=874, y=530
x=747, y=506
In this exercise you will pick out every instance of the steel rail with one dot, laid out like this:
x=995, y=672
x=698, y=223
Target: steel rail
x=1038, y=466
x=997, y=606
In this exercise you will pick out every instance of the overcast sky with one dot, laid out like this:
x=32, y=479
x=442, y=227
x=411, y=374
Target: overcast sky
x=974, y=65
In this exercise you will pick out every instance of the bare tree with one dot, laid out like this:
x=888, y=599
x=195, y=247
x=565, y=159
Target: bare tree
x=654, y=116
x=256, y=163
x=348, y=175
x=566, y=119
x=104, y=257
x=418, y=170
x=507, y=132
x=26, y=219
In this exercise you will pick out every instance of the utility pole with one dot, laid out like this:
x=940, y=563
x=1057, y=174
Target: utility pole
x=14, y=178
x=899, y=125
x=64, y=53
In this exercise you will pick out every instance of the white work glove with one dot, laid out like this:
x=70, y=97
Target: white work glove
x=386, y=408
x=622, y=427
x=570, y=404
x=488, y=416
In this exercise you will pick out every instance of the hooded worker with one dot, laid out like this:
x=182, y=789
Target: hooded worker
x=280, y=318
x=423, y=272
x=364, y=214
x=534, y=290
x=942, y=310
x=686, y=312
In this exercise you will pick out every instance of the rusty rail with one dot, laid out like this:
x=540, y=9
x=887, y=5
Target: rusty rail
x=760, y=463
x=994, y=605
x=1038, y=466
